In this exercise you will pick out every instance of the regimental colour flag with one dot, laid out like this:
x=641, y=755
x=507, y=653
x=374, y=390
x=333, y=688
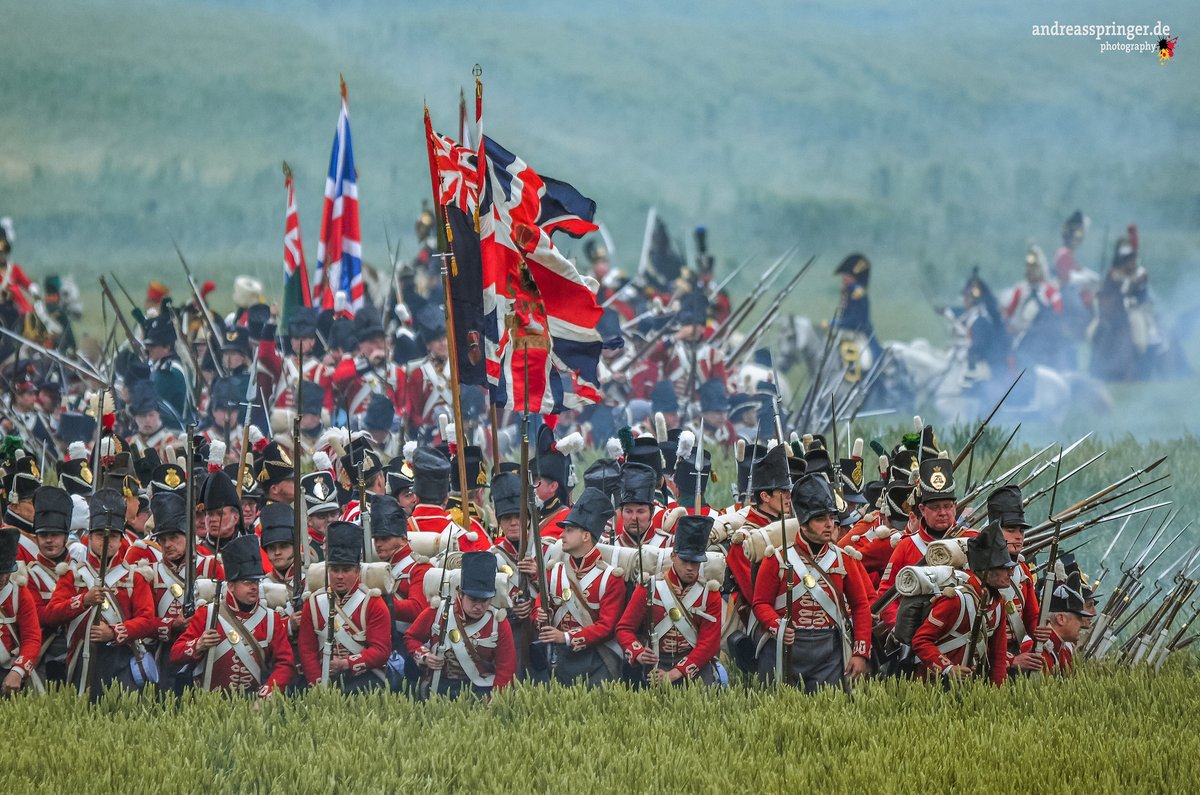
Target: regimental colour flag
x=295, y=272
x=339, y=251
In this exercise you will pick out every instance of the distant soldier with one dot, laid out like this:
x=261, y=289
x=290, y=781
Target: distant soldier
x=20, y=631
x=514, y=561
x=581, y=612
x=1033, y=311
x=238, y=644
x=685, y=622
x=466, y=644
x=1069, y=617
x=145, y=408
x=965, y=633
x=854, y=314
x=106, y=621
x=369, y=372
x=275, y=473
x=300, y=336
x=988, y=343
x=171, y=383
x=553, y=477
x=636, y=501
x=428, y=387
x=828, y=628
x=431, y=482
x=21, y=483
x=350, y=654
x=320, y=498
x=389, y=534
x=1126, y=342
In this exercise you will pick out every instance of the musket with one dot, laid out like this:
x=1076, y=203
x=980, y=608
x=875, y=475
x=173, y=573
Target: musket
x=789, y=577
x=814, y=387
x=93, y=678
x=249, y=406
x=327, y=651
x=747, y=306
x=189, y=580
x=1048, y=586
x=1044, y=489
x=963, y=453
x=524, y=517
x=1104, y=568
x=1039, y=541
x=364, y=507
x=211, y=623
x=132, y=304
x=139, y=349
x=764, y=325
x=1045, y=465
x=82, y=368
x=299, y=517
x=1120, y=512
x=697, y=465
x=995, y=460
x=446, y=602
x=1098, y=497
x=214, y=335
x=725, y=282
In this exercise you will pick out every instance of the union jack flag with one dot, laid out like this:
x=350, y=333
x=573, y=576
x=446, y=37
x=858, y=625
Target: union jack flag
x=339, y=251
x=543, y=315
x=295, y=272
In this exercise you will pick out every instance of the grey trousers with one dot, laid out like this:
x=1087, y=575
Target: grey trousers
x=816, y=660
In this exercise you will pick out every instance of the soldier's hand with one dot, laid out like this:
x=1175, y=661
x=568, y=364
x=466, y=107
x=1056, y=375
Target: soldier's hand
x=208, y=639
x=338, y=664
x=659, y=676
x=552, y=635
x=527, y=566
x=539, y=616
x=522, y=608
x=12, y=683
x=94, y=596
x=648, y=657
x=789, y=634
x=856, y=668
x=1029, y=661
x=101, y=633
x=1041, y=634
x=434, y=661
x=960, y=673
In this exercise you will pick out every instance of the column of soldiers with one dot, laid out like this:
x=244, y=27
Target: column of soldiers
x=329, y=539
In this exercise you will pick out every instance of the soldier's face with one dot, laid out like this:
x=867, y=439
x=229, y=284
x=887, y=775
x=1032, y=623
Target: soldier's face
x=635, y=518
x=999, y=577
x=510, y=526
x=320, y=521
x=774, y=501
x=687, y=571
x=221, y=522
x=244, y=592
x=820, y=529
x=303, y=344
x=283, y=491
x=174, y=546
x=26, y=400
x=439, y=348
x=343, y=578
x=939, y=514
x=148, y=423
x=280, y=556
x=373, y=350
x=575, y=541
x=1069, y=626
x=51, y=545
x=545, y=489
x=407, y=500
x=249, y=512
x=103, y=545
x=233, y=360
x=48, y=400
x=385, y=547
x=1015, y=538
x=473, y=608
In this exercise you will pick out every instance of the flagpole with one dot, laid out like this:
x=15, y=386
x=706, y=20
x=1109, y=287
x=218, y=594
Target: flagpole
x=448, y=263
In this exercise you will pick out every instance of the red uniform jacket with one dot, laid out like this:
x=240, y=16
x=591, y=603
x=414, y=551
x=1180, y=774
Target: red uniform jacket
x=1058, y=655
x=486, y=656
x=364, y=638
x=236, y=665
x=549, y=529
x=1021, y=609
x=130, y=612
x=428, y=387
x=43, y=578
x=585, y=601
x=942, y=640
x=168, y=586
x=695, y=635
x=20, y=630
x=408, y=599
x=872, y=538
x=354, y=381
x=845, y=587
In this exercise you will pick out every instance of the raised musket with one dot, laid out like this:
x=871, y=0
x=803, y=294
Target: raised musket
x=963, y=453
x=135, y=344
x=299, y=516
x=202, y=306
x=189, y=491
x=1048, y=586
x=80, y=367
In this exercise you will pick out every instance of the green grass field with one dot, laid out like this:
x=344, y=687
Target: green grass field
x=1100, y=731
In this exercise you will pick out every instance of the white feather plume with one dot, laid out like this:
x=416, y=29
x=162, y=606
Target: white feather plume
x=613, y=448
x=856, y=450
x=739, y=450
x=450, y=433
x=660, y=426
x=402, y=313
x=254, y=435
x=335, y=439
x=76, y=451
x=570, y=444
x=685, y=445
x=216, y=453
x=340, y=302
x=410, y=447
x=795, y=437
x=79, y=512
x=918, y=424
x=322, y=462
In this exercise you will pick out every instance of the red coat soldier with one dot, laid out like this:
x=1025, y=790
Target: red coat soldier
x=466, y=644
x=106, y=617
x=389, y=534
x=238, y=644
x=828, y=626
x=685, y=619
x=584, y=604
x=20, y=631
x=431, y=482
x=965, y=633
x=53, y=512
x=369, y=372
x=428, y=387
x=350, y=654
x=1021, y=609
